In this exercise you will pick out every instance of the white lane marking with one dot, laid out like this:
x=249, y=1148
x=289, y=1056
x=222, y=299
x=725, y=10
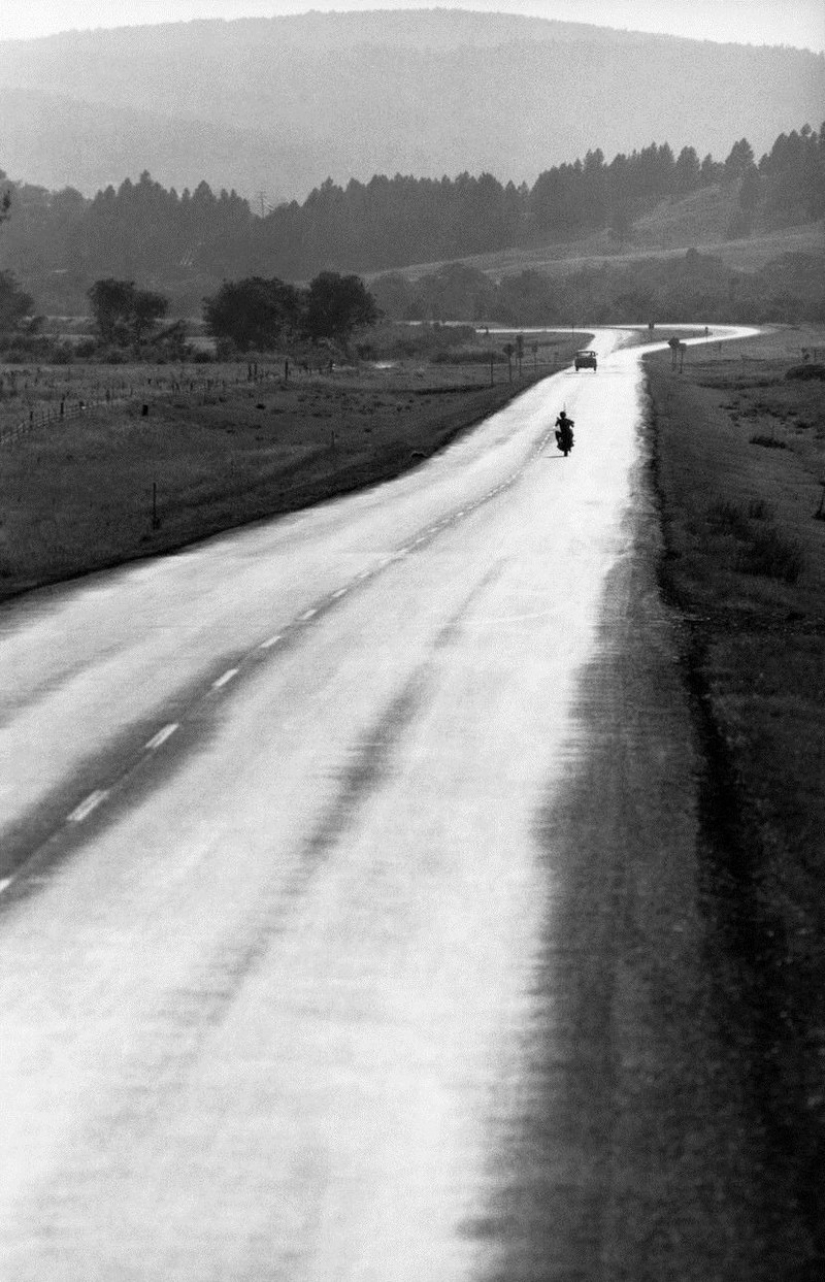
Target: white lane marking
x=162, y=735
x=5, y=883
x=86, y=807
x=341, y=592
x=308, y=614
x=267, y=645
x=227, y=677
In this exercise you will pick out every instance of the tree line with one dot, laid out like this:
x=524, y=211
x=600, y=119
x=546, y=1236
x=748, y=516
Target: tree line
x=691, y=287
x=60, y=242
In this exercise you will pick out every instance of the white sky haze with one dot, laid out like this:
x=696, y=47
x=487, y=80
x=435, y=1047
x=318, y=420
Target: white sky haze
x=791, y=22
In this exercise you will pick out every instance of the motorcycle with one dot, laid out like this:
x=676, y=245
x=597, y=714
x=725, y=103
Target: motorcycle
x=564, y=437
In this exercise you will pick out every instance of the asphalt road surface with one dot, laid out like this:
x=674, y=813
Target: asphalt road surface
x=275, y=878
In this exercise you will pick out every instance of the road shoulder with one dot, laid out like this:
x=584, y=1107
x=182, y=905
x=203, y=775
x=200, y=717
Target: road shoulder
x=738, y=453
x=628, y=1160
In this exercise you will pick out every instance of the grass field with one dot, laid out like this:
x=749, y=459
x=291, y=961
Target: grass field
x=740, y=467
x=175, y=455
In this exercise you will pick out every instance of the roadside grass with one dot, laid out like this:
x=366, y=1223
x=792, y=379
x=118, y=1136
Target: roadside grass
x=745, y=566
x=119, y=482
x=770, y=554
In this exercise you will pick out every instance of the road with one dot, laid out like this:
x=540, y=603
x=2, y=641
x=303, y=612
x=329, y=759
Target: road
x=275, y=889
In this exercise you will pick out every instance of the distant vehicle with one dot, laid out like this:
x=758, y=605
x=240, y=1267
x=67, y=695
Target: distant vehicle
x=585, y=359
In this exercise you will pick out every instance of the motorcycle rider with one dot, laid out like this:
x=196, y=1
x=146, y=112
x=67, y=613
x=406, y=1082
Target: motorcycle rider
x=564, y=429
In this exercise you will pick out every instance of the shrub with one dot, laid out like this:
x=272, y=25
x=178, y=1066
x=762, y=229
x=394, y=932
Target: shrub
x=458, y=356
x=810, y=369
x=769, y=442
x=760, y=510
x=769, y=553
x=728, y=518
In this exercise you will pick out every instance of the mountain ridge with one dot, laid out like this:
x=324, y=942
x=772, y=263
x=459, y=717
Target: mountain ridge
x=428, y=92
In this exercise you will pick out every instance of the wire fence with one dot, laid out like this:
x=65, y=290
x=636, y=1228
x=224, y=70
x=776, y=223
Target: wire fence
x=33, y=399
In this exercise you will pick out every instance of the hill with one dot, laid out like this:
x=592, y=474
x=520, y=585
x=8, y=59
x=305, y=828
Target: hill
x=621, y=217
x=697, y=221
x=275, y=104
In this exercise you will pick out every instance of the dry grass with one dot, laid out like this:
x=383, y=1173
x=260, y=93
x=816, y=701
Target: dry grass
x=115, y=483
x=745, y=563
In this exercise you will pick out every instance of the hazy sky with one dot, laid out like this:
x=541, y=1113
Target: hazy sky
x=790, y=22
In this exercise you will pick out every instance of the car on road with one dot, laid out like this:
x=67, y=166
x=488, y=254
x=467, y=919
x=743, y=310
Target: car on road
x=586, y=359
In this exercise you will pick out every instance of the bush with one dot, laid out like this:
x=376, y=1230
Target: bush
x=809, y=369
x=458, y=356
x=18, y=348
x=728, y=518
x=772, y=555
x=769, y=442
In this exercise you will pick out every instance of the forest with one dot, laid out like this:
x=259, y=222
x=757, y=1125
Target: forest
x=57, y=244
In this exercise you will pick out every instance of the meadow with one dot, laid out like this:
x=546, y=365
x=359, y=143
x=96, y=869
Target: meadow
x=102, y=464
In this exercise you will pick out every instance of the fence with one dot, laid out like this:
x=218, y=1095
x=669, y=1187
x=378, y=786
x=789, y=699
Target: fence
x=62, y=406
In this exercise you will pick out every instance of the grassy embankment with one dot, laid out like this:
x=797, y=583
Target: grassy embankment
x=668, y=231
x=77, y=495
x=740, y=465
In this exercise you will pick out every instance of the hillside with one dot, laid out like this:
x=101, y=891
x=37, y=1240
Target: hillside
x=695, y=222
x=620, y=228
x=275, y=104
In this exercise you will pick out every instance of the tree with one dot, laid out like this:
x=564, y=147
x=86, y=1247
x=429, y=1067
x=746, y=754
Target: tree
x=336, y=306
x=394, y=294
x=15, y=304
x=147, y=308
x=253, y=313
x=739, y=161
x=122, y=313
x=687, y=171
x=750, y=189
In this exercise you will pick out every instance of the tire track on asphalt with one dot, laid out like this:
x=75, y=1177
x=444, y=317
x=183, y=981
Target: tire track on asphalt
x=186, y=1017
x=119, y=773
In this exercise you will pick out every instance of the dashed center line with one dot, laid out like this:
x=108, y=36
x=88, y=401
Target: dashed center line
x=162, y=735
x=86, y=807
x=95, y=799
